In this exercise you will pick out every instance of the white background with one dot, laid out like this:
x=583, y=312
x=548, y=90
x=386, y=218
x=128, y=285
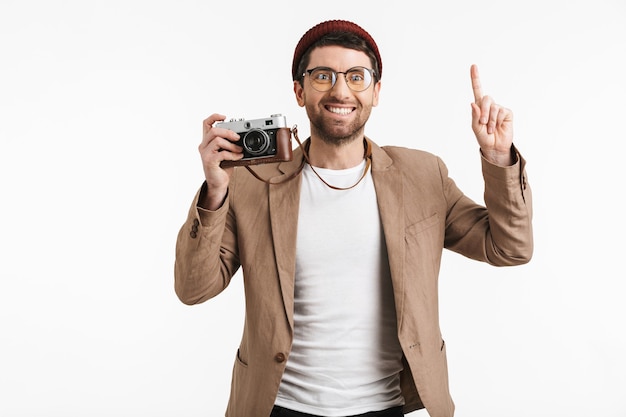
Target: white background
x=101, y=105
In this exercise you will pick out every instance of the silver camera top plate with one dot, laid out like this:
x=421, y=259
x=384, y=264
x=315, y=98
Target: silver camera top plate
x=275, y=121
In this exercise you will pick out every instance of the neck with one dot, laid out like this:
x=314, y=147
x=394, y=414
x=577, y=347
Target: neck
x=336, y=156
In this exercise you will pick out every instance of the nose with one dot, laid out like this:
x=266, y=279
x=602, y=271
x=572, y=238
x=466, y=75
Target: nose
x=340, y=89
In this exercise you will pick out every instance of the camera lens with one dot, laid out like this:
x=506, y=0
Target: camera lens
x=256, y=142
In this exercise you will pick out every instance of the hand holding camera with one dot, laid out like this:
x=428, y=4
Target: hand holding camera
x=239, y=142
x=262, y=140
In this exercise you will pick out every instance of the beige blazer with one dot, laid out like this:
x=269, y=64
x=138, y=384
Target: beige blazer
x=422, y=212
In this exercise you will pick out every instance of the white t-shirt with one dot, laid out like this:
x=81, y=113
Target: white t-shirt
x=346, y=357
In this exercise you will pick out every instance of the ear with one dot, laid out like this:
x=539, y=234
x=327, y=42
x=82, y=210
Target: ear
x=299, y=91
x=376, y=93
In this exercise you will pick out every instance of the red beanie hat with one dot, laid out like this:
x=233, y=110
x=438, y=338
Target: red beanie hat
x=329, y=26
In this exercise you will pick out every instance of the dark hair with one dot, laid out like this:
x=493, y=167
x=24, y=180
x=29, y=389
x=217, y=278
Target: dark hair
x=344, y=39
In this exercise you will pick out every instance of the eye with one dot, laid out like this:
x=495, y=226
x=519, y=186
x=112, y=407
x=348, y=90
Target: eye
x=322, y=75
x=356, y=75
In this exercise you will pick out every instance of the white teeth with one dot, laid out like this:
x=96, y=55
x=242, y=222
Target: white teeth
x=340, y=110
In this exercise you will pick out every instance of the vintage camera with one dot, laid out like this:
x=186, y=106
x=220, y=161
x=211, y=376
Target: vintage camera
x=263, y=140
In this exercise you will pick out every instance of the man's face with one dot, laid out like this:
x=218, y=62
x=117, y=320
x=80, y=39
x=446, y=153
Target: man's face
x=339, y=115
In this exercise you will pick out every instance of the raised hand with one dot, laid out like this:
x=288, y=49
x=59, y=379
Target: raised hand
x=492, y=124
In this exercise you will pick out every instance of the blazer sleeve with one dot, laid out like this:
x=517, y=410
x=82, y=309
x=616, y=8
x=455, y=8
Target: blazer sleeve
x=500, y=233
x=206, y=254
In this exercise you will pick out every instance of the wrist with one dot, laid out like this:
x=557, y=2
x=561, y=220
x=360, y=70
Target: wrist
x=501, y=158
x=211, y=198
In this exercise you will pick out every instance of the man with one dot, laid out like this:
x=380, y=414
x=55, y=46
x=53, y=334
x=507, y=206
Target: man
x=341, y=254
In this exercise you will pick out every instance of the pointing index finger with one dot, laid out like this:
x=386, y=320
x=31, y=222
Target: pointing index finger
x=478, y=94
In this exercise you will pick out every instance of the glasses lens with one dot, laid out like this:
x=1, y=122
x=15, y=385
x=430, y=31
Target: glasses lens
x=322, y=79
x=358, y=78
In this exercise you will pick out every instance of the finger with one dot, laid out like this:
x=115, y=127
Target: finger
x=476, y=87
x=485, y=109
x=209, y=121
x=210, y=132
x=217, y=140
x=504, y=115
x=227, y=143
x=219, y=149
x=220, y=132
x=494, y=114
x=231, y=156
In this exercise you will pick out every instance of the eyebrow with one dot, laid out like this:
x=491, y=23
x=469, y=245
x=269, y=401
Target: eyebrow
x=332, y=69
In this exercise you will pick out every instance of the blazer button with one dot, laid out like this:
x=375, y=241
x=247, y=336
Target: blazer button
x=280, y=357
x=194, y=229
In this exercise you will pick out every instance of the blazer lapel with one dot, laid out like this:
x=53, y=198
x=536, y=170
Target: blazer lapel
x=390, y=196
x=284, y=201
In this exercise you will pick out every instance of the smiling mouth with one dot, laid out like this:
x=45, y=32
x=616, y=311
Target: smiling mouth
x=340, y=110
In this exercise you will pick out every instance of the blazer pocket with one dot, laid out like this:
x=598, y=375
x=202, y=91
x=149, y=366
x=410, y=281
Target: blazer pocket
x=240, y=361
x=422, y=225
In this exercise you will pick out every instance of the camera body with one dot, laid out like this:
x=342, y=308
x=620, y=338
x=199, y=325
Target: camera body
x=263, y=140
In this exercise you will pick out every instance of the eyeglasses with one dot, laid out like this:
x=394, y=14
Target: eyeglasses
x=323, y=78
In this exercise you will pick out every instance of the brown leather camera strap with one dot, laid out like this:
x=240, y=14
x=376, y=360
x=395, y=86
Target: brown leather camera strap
x=305, y=148
x=290, y=177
